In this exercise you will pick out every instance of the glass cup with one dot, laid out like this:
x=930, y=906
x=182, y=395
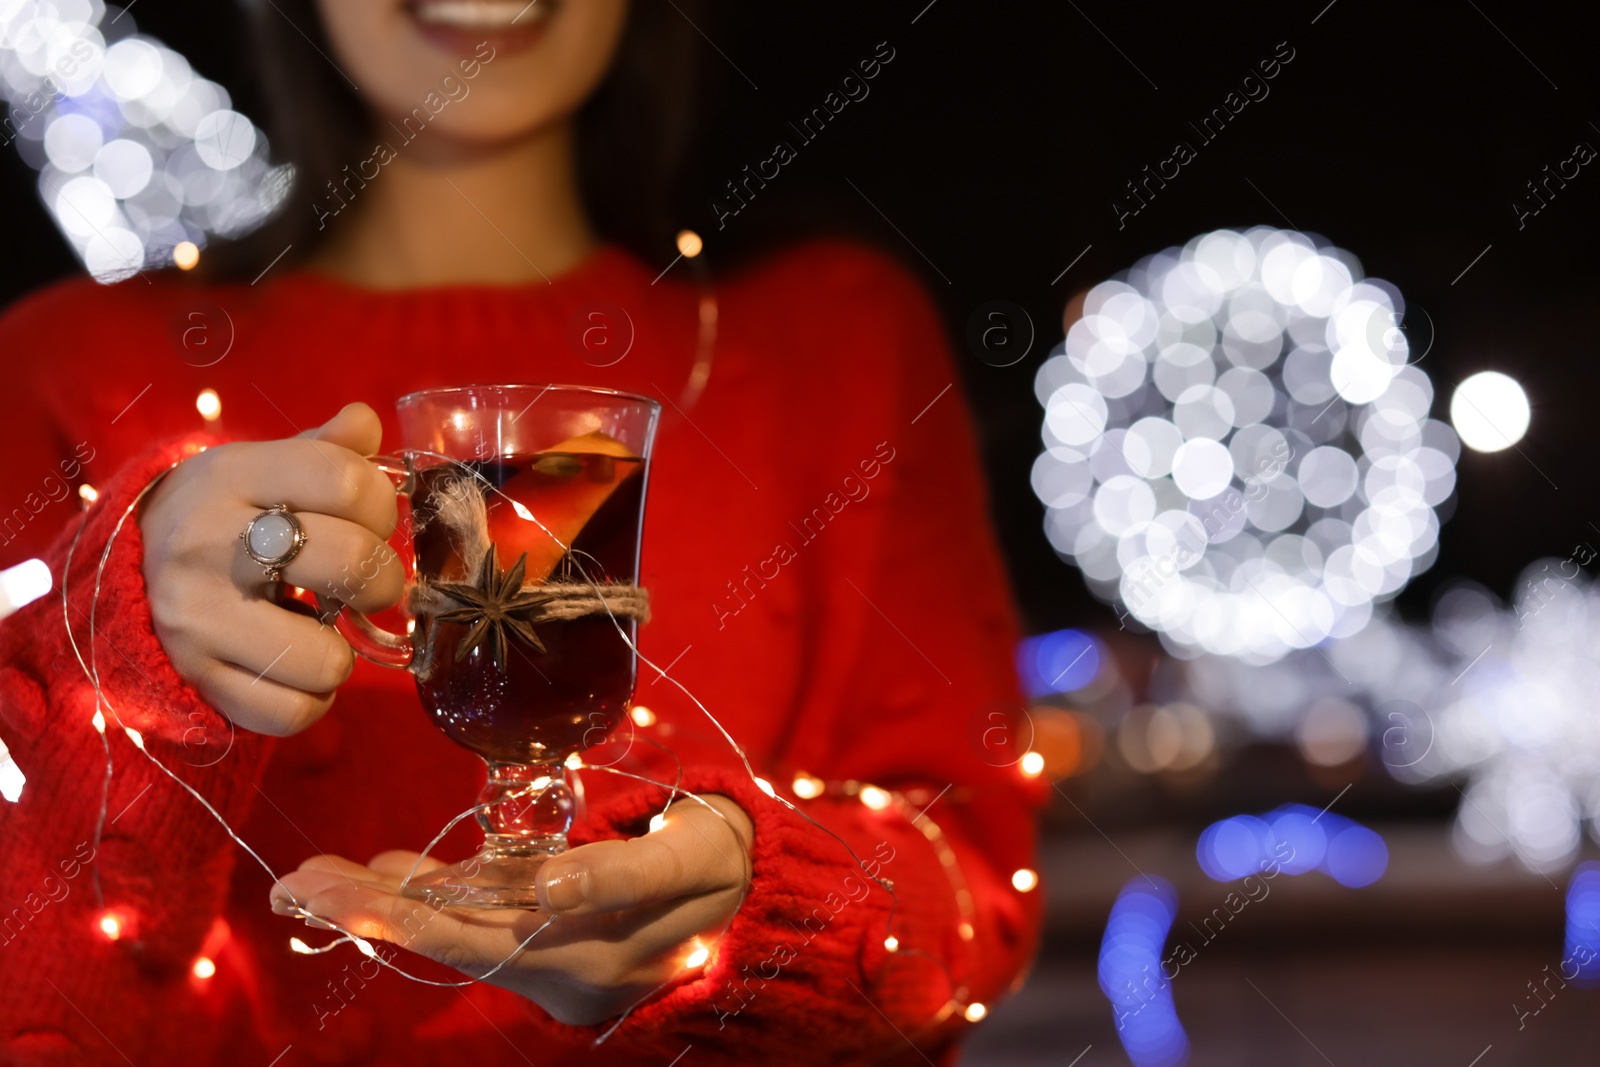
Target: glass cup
x=526, y=505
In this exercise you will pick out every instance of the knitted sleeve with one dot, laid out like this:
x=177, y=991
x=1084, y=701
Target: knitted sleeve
x=109, y=887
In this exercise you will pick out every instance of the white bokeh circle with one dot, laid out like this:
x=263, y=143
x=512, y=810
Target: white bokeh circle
x=1238, y=451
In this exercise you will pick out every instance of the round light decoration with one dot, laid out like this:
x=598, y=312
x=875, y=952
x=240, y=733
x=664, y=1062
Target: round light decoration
x=137, y=154
x=1237, y=445
x=1490, y=411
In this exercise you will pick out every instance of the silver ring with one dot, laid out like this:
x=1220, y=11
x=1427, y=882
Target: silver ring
x=273, y=539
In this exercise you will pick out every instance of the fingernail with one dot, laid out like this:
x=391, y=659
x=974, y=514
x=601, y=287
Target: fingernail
x=562, y=885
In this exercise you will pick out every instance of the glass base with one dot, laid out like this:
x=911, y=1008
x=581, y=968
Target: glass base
x=494, y=878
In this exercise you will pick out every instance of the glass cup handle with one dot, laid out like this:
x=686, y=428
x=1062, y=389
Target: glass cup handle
x=371, y=641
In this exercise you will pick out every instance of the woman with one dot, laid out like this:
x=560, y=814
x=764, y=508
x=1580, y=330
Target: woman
x=873, y=650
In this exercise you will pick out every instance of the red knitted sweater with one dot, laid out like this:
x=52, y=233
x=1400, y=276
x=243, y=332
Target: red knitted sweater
x=871, y=651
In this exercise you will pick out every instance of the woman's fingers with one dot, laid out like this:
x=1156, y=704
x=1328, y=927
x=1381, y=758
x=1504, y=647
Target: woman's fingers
x=282, y=646
x=694, y=852
x=397, y=863
x=356, y=427
x=257, y=703
x=351, y=871
x=309, y=475
x=347, y=562
x=269, y=669
x=334, y=889
x=560, y=961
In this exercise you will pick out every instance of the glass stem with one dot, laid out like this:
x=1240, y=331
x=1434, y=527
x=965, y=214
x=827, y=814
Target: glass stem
x=527, y=809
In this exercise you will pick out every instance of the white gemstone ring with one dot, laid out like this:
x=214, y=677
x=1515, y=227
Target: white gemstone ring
x=273, y=539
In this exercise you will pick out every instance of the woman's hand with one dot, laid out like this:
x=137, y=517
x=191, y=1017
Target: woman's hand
x=267, y=668
x=626, y=913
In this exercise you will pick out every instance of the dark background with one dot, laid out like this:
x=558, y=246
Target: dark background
x=991, y=148
x=997, y=138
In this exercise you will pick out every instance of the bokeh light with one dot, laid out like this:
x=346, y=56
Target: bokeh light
x=1356, y=857
x=1130, y=972
x=1583, y=925
x=1172, y=737
x=1490, y=411
x=23, y=584
x=1058, y=662
x=1332, y=732
x=12, y=779
x=1237, y=448
x=1297, y=839
x=138, y=156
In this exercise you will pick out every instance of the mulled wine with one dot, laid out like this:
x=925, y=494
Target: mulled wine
x=540, y=704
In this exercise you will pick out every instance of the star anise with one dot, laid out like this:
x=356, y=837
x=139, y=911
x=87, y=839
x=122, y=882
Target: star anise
x=493, y=603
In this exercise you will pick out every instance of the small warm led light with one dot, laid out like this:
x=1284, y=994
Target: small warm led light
x=766, y=787
x=300, y=946
x=209, y=405
x=539, y=784
x=697, y=958
x=185, y=255
x=1023, y=880
x=366, y=947
x=522, y=510
x=657, y=821
x=203, y=967
x=574, y=762
x=111, y=926
x=411, y=626
x=689, y=243
x=806, y=787
x=88, y=493
x=874, y=798
x=975, y=1012
x=643, y=716
x=892, y=943
x=965, y=930
x=99, y=721
x=135, y=736
x=1032, y=764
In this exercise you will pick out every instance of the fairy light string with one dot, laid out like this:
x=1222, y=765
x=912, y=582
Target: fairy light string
x=674, y=792
x=99, y=720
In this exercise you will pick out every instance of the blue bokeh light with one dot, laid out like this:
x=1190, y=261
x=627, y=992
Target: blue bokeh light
x=1131, y=975
x=1356, y=857
x=1583, y=926
x=1299, y=827
x=1297, y=839
x=1059, y=662
x=1240, y=846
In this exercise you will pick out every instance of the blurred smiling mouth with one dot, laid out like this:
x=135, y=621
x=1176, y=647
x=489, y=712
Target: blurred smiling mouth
x=459, y=25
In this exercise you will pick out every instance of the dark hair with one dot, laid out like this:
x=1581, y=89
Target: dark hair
x=633, y=131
